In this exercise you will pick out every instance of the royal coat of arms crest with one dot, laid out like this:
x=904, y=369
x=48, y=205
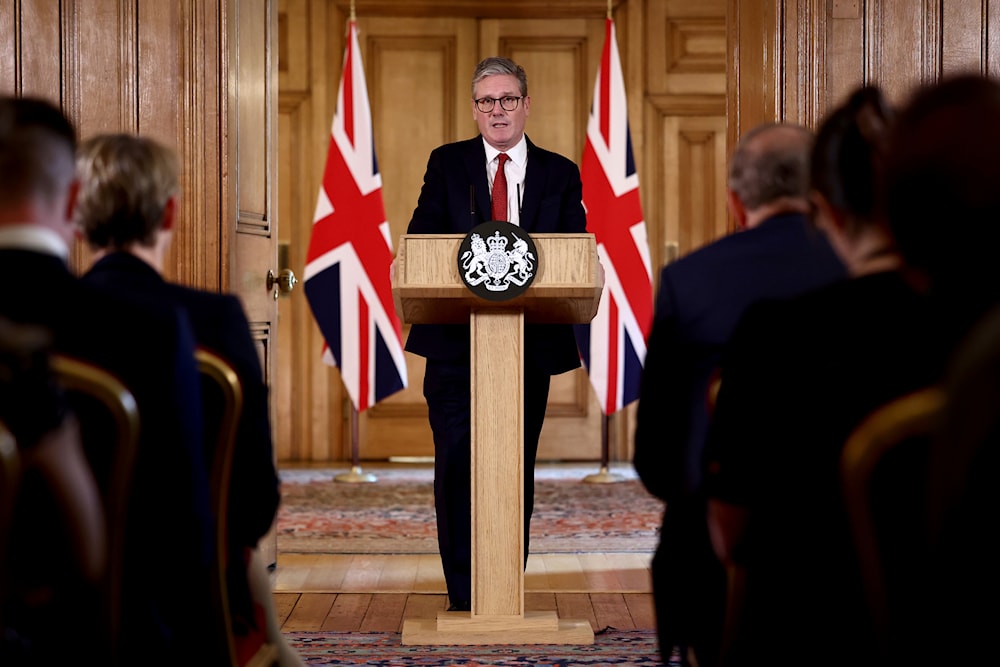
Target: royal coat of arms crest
x=497, y=260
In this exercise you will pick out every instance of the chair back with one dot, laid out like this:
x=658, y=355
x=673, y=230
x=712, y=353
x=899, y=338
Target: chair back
x=222, y=400
x=883, y=473
x=109, y=428
x=10, y=476
x=714, y=385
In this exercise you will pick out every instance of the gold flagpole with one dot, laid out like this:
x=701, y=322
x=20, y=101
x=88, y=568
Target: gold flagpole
x=604, y=476
x=356, y=475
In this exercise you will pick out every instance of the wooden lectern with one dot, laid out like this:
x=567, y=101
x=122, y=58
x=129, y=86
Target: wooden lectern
x=427, y=288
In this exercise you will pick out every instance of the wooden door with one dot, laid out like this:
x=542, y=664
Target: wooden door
x=251, y=116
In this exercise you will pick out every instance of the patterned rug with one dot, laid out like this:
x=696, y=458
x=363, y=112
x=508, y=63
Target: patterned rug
x=610, y=647
x=395, y=514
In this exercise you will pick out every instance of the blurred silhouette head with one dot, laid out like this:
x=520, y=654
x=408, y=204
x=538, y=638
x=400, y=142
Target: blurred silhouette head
x=848, y=154
x=846, y=176
x=37, y=146
x=942, y=181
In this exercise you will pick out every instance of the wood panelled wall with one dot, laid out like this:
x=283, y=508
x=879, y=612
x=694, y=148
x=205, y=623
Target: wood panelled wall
x=135, y=66
x=194, y=74
x=199, y=74
x=794, y=59
x=418, y=58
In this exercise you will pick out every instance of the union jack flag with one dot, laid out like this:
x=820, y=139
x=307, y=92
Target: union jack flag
x=613, y=345
x=350, y=250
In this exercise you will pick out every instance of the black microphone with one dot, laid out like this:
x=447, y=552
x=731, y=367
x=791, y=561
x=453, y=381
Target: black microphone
x=472, y=203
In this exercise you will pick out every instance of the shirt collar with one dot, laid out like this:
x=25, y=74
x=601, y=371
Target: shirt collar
x=518, y=154
x=35, y=238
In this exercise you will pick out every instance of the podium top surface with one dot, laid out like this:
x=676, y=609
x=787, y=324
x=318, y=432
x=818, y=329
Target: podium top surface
x=426, y=285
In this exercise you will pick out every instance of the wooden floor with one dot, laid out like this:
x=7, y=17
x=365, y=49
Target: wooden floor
x=376, y=593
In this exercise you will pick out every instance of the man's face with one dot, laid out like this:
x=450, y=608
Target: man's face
x=501, y=128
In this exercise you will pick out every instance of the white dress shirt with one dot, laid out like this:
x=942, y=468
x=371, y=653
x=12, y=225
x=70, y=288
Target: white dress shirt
x=514, y=169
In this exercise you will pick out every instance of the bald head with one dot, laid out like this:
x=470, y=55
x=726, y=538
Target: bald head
x=769, y=172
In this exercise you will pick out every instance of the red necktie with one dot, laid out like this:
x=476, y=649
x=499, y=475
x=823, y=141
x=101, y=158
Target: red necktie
x=500, y=189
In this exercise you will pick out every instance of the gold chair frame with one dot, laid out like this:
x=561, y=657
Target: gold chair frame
x=85, y=378
x=218, y=371
x=10, y=477
x=908, y=417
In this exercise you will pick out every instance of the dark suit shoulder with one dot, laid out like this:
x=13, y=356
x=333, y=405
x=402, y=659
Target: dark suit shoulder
x=550, y=158
x=461, y=148
x=220, y=325
x=777, y=259
x=787, y=235
x=211, y=306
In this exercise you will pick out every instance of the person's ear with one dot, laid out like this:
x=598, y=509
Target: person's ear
x=169, y=213
x=527, y=105
x=826, y=218
x=736, y=209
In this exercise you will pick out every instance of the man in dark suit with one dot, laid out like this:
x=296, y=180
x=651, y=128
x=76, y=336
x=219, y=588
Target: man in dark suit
x=127, y=211
x=701, y=297
x=149, y=347
x=543, y=194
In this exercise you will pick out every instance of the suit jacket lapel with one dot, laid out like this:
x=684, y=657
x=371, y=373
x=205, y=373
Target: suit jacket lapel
x=534, y=185
x=475, y=165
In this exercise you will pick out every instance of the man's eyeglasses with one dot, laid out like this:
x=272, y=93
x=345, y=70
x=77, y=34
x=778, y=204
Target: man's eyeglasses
x=509, y=103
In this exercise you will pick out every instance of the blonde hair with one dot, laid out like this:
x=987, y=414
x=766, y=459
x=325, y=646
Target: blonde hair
x=125, y=183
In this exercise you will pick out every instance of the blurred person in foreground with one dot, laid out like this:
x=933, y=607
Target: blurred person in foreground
x=127, y=209
x=701, y=297
x=799, y=376
x=149, y=347
x=943, y=203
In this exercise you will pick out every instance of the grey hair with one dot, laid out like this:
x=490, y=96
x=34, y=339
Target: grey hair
x=496, y=65
x=771, y=161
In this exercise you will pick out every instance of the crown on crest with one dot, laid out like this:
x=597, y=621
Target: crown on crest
x=497, y=243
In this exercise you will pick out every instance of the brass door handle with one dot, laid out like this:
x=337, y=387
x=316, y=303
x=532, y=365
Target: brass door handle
x=283, y=283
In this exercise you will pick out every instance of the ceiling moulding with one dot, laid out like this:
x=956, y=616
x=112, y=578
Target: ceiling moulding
x=507, y=9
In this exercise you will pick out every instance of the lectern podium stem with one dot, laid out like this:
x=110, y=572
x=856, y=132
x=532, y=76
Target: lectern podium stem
x=497, y=383
x=567, y=289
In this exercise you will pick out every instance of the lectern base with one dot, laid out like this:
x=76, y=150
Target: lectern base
x=457, y=628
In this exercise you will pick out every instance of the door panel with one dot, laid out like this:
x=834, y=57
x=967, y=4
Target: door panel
x=252, y=118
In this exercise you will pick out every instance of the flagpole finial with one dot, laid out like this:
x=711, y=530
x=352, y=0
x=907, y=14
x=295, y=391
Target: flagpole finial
x=354, y=16
x=609, y=9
